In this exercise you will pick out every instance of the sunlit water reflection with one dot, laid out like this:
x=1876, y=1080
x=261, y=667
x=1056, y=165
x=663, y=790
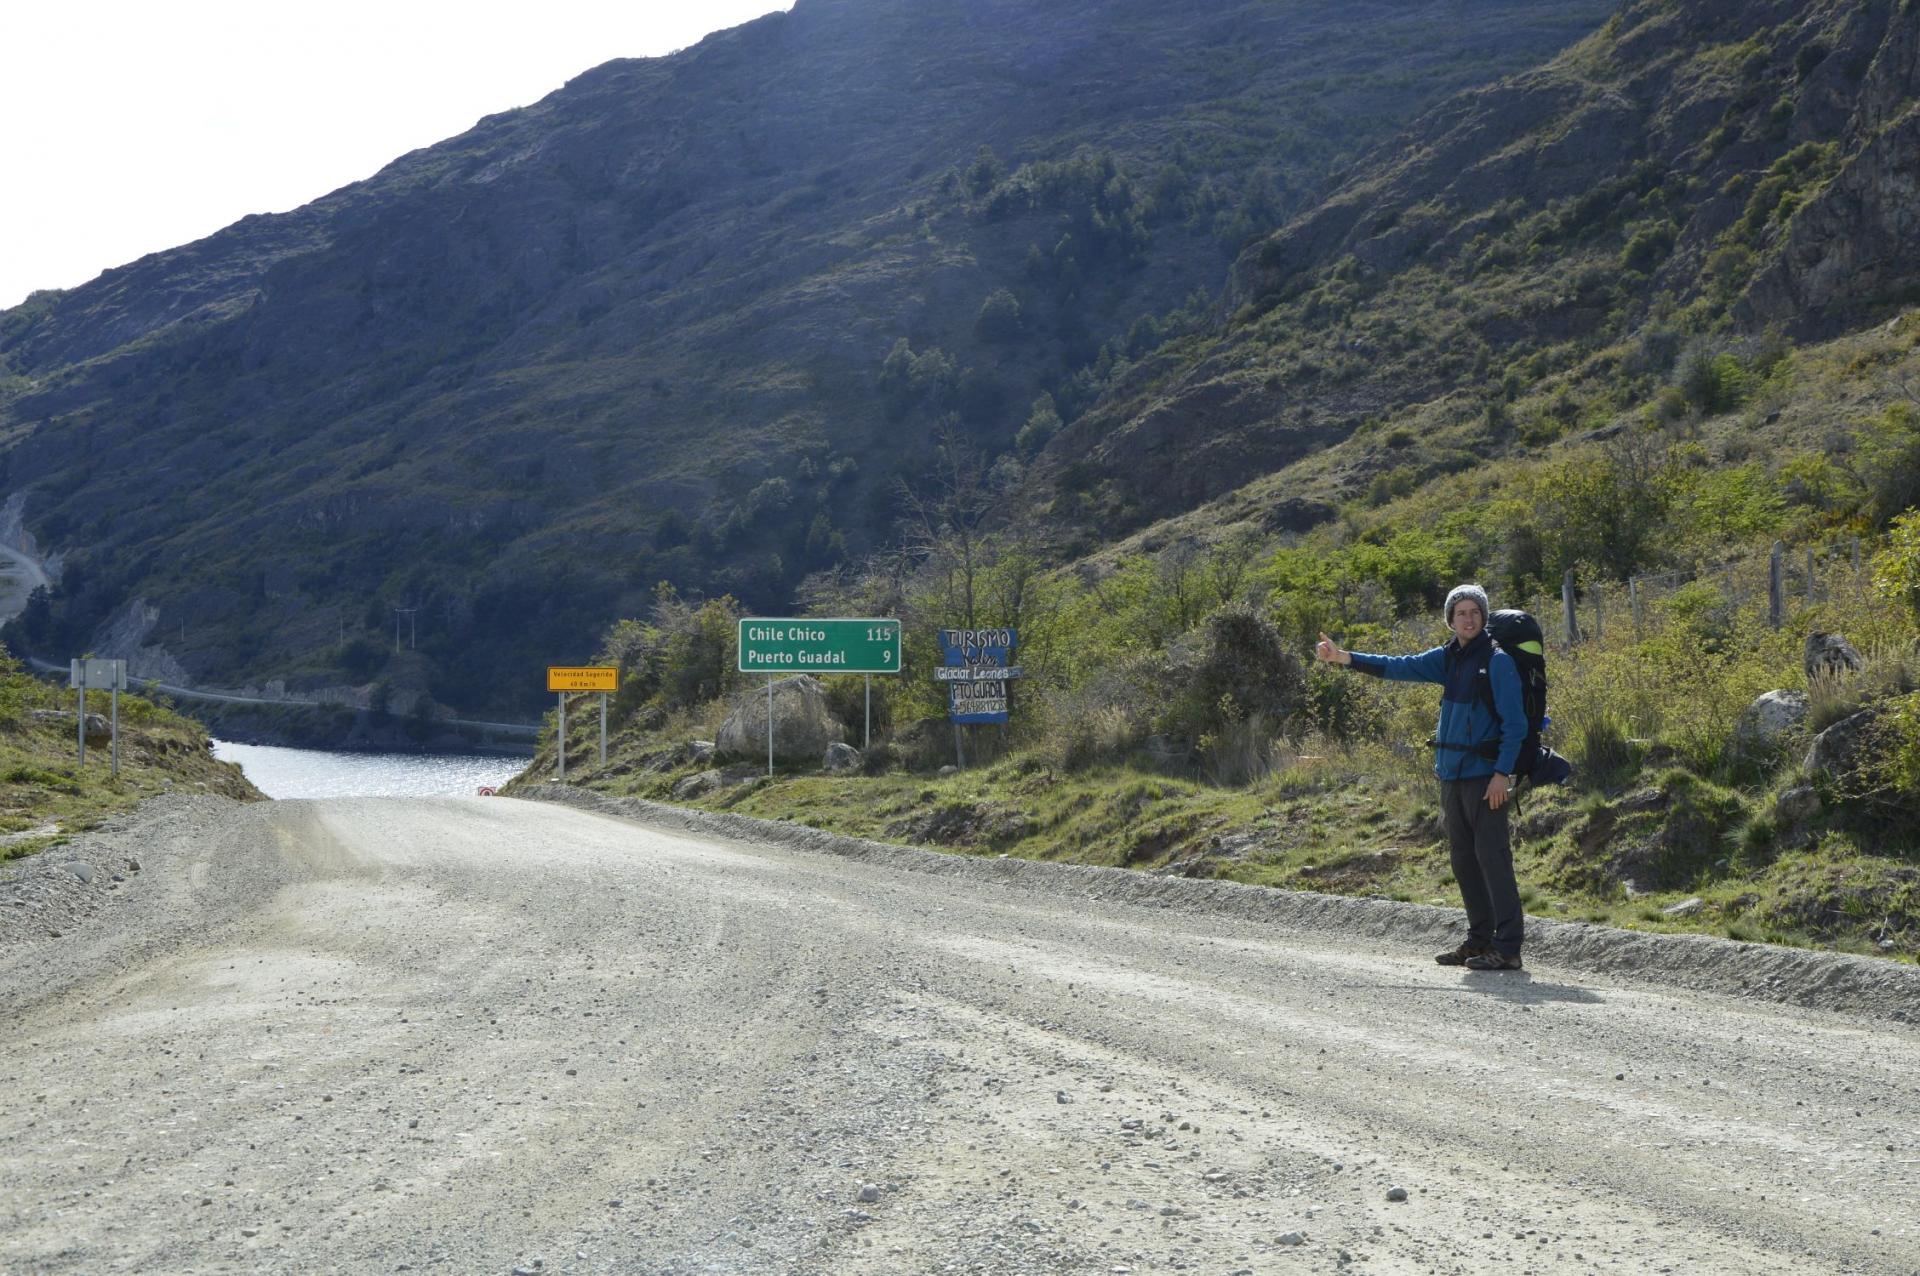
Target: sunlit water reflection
x=314, y=773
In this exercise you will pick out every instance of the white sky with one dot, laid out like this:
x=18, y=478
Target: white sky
x=138, y=125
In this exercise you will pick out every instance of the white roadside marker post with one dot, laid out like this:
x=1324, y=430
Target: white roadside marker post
x=80, y=713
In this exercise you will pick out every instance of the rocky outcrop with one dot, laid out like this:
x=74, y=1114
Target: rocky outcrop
x=1846, y=254
x=803, y=726
x=1836, y=752
x=1831, y=656
x=963, y=823
x=713, y=780
x=1769, y=721
x=1628, y=163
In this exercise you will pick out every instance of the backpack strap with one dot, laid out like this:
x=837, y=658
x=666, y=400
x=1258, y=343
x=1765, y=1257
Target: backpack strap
x=1486, y=682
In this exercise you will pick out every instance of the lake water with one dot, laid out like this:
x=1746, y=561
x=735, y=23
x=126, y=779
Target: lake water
x=314, y=773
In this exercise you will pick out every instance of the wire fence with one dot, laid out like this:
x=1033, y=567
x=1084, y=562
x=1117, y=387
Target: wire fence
x=1788, y=580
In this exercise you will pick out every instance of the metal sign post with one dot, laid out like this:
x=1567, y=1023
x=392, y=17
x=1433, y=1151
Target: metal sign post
x=564, y=678
x=769, y=725
x=110, y=676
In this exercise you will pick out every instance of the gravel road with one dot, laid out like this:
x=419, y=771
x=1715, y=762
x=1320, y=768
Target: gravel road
x=489, y=1036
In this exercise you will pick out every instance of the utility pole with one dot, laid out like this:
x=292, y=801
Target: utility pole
x=412, y=633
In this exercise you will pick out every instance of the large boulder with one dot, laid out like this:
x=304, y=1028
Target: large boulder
x=1830, y=655
x=1836, y=752
x=1769, y=722
x=712, y=781
x=803, y=727
x=841, y=757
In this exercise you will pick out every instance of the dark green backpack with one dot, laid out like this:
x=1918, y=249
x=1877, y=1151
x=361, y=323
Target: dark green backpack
x=1519, y=635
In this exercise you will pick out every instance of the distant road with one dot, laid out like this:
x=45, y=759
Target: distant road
x=20, y=575
x=528, y=729
x=489, y=1035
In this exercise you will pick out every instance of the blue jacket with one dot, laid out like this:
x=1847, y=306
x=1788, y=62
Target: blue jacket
x=1465, y=721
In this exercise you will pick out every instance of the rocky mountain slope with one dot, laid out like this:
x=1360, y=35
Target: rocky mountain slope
x=688, y=318
x=1695, y=171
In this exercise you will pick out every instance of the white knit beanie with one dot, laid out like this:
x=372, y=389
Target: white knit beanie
x=1471, y=592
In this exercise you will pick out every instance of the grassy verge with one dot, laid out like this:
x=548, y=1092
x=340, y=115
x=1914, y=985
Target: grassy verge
x=46, y=796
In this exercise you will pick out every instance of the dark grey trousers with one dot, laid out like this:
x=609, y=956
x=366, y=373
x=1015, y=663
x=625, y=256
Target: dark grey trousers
x=1483, y=864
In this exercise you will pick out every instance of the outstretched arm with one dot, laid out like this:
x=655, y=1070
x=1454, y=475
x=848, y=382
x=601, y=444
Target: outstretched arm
x=1428, y=666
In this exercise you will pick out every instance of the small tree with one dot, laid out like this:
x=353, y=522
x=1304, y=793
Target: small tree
x=999, y=317
x=1043, y=422
x=1896, y=569
x=985, y=171
x=944, y=521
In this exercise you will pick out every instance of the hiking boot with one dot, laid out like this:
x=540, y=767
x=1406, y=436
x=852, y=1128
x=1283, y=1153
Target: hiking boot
x=1462, y=955
x=1494, y=961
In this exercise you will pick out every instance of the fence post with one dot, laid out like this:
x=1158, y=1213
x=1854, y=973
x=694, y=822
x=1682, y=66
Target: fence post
x=1856, y=555
x=1633, y=601
x=1810, y=594
x=1566, y=607
x=1777, y=585
x=1598, y=629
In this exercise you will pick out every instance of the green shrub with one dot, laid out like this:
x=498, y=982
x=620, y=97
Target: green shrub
x=1104, y=718
x=1894, y=770
x=1712, y=381
x=1244, y=670
x=846, y=696
x=1648, y=247
x=1888, y=449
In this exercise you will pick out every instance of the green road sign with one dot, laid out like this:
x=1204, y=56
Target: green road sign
x=774, y=645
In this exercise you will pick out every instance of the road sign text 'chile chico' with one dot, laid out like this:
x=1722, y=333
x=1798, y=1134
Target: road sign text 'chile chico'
x=778, y=645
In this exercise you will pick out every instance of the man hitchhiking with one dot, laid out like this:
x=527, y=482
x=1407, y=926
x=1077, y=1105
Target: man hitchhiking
x=1473, y=786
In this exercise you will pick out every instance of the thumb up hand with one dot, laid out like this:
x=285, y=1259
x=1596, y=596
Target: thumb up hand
x=1329, y=652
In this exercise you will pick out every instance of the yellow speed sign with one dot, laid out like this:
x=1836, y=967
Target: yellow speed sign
x=582, y=678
